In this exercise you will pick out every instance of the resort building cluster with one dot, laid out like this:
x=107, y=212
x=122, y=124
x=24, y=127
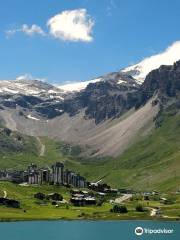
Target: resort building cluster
x=56, y=175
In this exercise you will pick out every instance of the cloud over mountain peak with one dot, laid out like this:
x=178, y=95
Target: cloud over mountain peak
x=167, y=57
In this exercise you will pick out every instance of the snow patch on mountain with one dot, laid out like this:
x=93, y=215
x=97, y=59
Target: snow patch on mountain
x=168, y=57
x=33, y=118
x=120, y=81
x=17, y=86
x=77, y=86
x=31, y=88
x=8, y=90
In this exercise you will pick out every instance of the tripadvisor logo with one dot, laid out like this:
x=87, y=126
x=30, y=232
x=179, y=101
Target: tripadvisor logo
x=139, y=231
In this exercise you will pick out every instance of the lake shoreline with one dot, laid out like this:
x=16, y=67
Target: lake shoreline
x=90, y=220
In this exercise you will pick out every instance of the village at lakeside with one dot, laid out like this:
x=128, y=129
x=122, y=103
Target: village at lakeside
x=54, y=192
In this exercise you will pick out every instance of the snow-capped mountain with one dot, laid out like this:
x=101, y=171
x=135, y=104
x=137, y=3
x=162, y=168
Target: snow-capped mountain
x=168, y=57
x=138, y=71
x=117, y=77
x=106, y=114
x=30, y=88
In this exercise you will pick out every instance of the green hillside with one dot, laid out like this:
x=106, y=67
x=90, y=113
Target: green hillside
x=14, y=146
x=30, y=153
x=152, y=163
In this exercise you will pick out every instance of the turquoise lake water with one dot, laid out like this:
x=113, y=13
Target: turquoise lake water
x=86, y=230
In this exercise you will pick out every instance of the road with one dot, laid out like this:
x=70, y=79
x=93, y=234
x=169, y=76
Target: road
x=42, y=147
x=153, y=212
x=5, y=194
x=123, y=198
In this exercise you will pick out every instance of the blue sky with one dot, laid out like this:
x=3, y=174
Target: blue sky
x=121, y=32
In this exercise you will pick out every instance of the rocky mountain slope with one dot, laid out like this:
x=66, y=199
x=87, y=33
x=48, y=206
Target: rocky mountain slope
x=105, y=118
x=124, y=132
x=48, y=101
x=90, y=118
x=29, y=88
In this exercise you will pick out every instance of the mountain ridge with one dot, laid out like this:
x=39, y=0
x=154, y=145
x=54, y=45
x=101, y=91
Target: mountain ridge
x=106, y=117
x=127, y=132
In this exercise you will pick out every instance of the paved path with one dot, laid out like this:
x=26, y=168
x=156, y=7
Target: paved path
x=5, y=194
x=123, y=198
x=153, y=212
x=42, y=147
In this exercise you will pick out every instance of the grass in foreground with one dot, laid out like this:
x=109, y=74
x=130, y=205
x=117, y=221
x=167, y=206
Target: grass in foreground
x=35, y=211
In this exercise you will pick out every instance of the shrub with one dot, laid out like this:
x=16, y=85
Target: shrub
x=139, y=208
x=170, y=200
x=40, y=196
x=119, y=209
x=100, y=202
x=55, y=197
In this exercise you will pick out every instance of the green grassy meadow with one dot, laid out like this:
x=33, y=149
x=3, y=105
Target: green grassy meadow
x=34, y=209
x=153, y=163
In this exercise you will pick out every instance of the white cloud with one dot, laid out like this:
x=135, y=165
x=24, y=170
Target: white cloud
x=25, y=76
x=69, y=25
x=111, y=6
x=72, y=25
x=28, y=30
x=167, y=57
x=28, y=76
x=34, y=29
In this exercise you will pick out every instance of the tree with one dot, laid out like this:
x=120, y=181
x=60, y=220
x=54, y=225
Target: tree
x=40, y=196
x=139, y=208
x=55, y=196
x=119, y=209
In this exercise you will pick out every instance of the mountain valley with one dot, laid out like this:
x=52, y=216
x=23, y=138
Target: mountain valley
x=120, y=130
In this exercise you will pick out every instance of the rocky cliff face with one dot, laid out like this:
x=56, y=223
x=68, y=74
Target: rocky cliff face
x=108, y=98
x=94, y=116
x=165, y=81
